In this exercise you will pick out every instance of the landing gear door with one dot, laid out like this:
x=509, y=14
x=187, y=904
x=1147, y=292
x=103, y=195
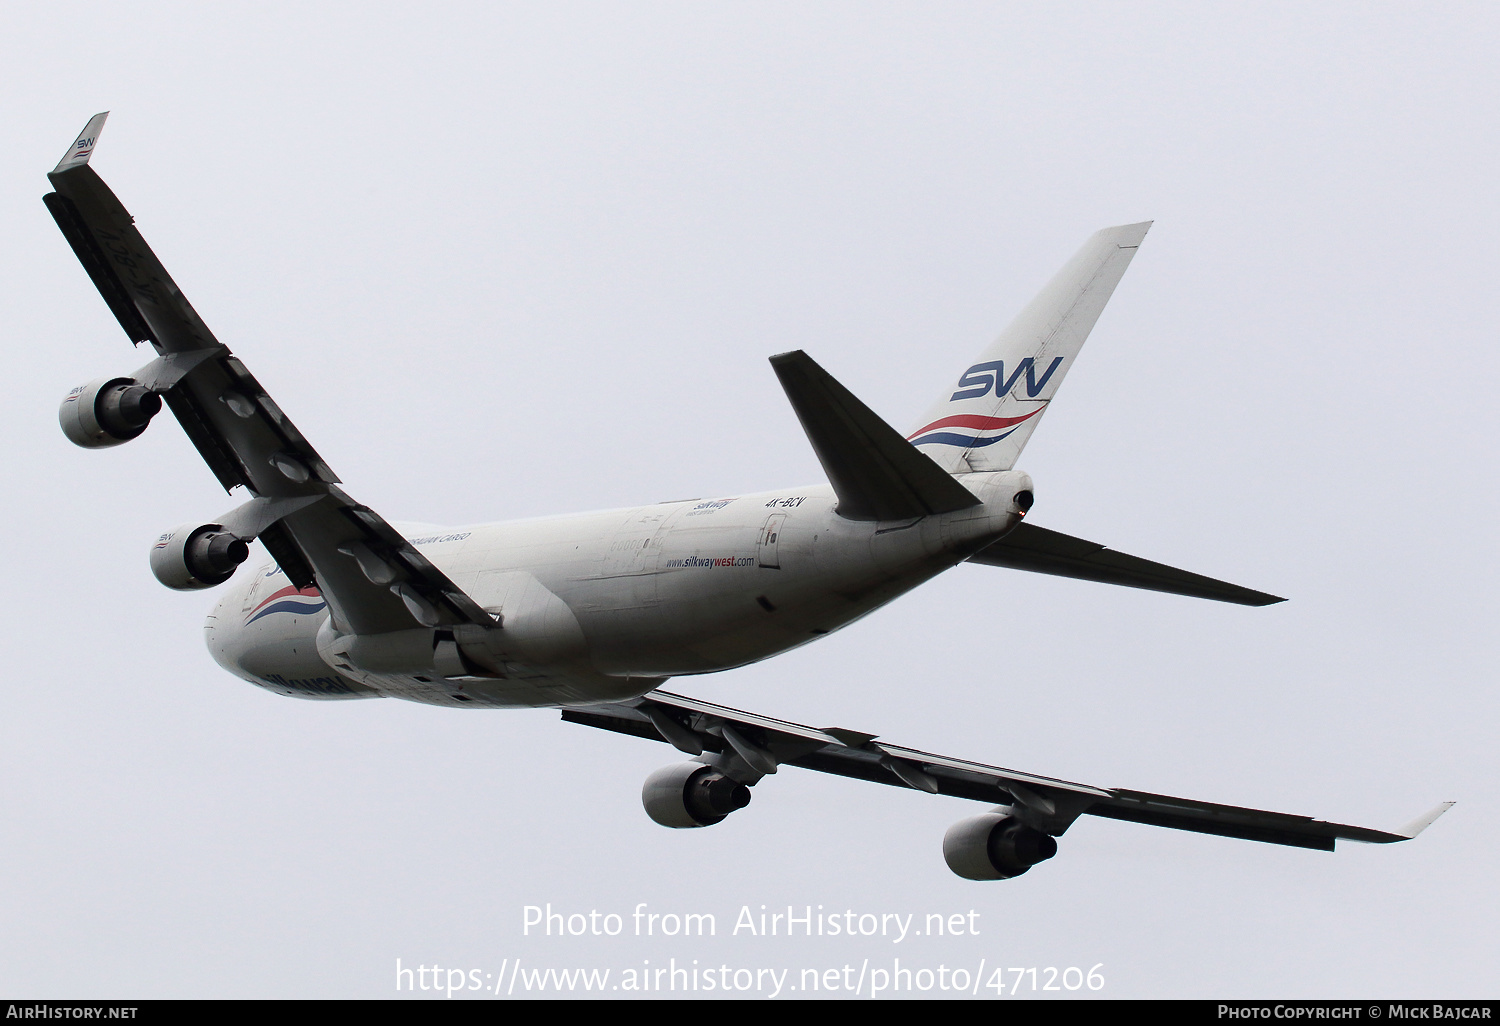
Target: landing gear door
x=768, y=538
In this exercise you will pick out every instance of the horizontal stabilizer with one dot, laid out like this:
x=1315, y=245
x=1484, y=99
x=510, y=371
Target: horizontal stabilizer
x=877, y=474
x=1041, y=551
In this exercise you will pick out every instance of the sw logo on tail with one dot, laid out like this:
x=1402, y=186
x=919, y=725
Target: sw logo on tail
x=984, y=376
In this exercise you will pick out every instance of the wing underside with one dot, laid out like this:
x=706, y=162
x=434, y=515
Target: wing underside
x=374, y=580
x=1057, y=803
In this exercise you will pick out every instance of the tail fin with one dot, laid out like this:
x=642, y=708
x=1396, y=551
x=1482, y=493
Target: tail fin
x=988, y=418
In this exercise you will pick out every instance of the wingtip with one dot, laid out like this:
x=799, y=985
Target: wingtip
x=1425, y=820
x=83, y=147
x=1128, y=236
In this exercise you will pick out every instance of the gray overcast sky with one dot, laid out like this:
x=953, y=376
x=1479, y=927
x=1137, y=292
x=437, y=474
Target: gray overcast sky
x=504, y=260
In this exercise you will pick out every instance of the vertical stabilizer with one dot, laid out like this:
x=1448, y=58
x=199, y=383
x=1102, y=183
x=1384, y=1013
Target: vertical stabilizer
x=985, y=420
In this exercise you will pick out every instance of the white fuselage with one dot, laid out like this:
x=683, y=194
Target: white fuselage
x=600, y=607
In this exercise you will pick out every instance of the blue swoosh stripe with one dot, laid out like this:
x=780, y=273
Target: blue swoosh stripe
x=967, y=441
x=287, y=606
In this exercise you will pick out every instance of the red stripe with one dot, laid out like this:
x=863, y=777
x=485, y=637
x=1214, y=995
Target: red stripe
x=969, y=420
x=289, y=590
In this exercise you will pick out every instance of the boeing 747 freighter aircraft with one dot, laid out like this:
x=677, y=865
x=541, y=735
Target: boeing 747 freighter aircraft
x=591, y=613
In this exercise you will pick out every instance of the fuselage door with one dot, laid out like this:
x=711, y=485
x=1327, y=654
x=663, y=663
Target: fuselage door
x=256, y=589
x=768, y=538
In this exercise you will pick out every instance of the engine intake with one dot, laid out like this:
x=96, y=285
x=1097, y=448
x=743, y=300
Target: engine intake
x=197, y=556
x=692, y=794
x=107, y=412
x=994, y=846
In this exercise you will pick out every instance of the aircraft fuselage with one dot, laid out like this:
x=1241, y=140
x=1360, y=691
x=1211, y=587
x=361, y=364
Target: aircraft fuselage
x=603, y=606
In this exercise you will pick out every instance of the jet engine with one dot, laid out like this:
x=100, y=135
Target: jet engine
x=107, y=412
x=196, y=556
x=994, y=846
x=692, y=794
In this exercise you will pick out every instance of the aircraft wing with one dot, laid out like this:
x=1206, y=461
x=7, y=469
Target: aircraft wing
x=1050, y=804
x=1039, y=550
x=373, y=579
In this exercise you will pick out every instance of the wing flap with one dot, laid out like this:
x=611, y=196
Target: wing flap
x=247, y=441
x=1039, y=550
x=1223, y=820
x=123, y=268
x=99, y=268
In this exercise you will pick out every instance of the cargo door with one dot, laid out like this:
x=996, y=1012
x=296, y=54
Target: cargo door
x=769, y=536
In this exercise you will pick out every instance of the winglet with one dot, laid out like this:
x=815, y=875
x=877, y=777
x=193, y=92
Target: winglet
x=79, y=153
x=1425, y=820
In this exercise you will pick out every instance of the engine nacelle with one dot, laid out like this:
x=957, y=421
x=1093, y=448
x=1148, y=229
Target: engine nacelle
x=197, y=556
x=692, y=794
x=994, y=846
x=107, y=412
